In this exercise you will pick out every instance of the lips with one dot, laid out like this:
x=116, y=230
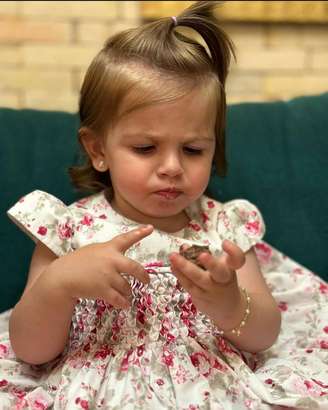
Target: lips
x=169, y=193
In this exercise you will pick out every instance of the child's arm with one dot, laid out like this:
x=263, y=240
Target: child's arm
x=216, y=292
x=40, y=322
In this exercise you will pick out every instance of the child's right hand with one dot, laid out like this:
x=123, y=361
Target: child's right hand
x=94, y=271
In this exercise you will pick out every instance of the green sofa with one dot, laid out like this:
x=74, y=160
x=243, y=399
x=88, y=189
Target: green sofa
x=278, y=159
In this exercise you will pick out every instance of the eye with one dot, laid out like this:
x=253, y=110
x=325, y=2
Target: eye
x=144, y=149
x=193, y=150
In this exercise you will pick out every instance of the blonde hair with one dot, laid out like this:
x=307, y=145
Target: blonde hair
x=115, y=82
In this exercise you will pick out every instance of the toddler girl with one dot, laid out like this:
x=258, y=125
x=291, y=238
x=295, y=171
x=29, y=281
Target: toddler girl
x=112, y=315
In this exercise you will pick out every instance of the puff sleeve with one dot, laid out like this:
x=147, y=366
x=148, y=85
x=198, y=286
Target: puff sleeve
x=45, y=218
x=240, y=222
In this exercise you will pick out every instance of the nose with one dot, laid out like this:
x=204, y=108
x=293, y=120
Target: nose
x=170, y=165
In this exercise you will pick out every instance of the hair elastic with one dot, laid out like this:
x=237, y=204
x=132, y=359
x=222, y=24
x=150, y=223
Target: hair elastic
x=175, y=22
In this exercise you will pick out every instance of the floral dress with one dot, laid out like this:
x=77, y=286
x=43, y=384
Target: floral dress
x=162, y=353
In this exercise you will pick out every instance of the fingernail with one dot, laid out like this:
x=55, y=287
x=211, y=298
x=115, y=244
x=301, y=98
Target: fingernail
x=144, y=227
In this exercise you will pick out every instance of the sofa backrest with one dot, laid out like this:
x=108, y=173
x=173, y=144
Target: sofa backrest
x=277, y=155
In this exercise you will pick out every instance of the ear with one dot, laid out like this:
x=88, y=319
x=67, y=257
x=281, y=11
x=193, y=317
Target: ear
x=94, y=146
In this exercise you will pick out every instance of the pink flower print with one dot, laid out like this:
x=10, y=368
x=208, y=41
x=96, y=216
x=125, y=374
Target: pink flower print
x=217, y=365
x=140, y=350
x=223, y=345
x=87, y=220
x=194, y=226
x=40, y=404
x=325, y=329
x=307, y=388
x=312, y=388
x=201, y=361
x=253, y=227
x=3, y=351
x=160, y=382
x=170, y=337
x=205, y=217
x=102, y=216
x=181, y=375
x=101, y=307
x=323, y=288
x=155, y=263
x=3, y=383
x=283, y=306
x=65, y=230
x=126, y=361
x=269, y=381
x=42, y=230
x=320, y=383
x=83, y=403
x=324, y=344
x=210, y=204
x=167, y=358
x=20, y=394
x=149, y=266
x=263, y=252
x=224, y=218
x=103, y=352
x=141, y=317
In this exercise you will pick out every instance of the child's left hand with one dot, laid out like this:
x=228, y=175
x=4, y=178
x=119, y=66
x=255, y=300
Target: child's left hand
x=214, y=291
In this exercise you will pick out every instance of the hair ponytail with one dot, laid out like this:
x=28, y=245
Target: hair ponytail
x=201, y=18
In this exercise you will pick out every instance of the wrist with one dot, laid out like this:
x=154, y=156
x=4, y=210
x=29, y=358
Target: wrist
x=235, y=321
x=55, y=283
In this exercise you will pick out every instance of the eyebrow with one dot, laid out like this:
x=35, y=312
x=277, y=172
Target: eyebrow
x=156, y=137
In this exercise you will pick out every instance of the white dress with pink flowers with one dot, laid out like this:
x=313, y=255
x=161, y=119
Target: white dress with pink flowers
x=162, y=353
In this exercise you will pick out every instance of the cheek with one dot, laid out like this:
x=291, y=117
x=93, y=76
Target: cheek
x=128, y=175
x=201, y=174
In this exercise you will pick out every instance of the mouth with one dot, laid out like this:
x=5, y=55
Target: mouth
x=169, y=193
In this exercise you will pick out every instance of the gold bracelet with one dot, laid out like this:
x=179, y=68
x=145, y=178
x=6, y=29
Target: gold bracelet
x=237, y=330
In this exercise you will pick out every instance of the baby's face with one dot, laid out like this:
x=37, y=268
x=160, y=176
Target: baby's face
x=160, y=157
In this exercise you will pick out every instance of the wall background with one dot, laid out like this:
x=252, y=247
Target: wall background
x=46, y=46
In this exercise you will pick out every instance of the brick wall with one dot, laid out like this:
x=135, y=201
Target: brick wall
x=278, y=61
x=45, y=47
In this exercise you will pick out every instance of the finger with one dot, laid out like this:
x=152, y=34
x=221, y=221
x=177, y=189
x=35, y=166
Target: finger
x=219, y=271
x=120, y=284
x=195, y=275
x=124, y=241
x=133, y=268
x=184, y=281
x=235, y=257
x=113, y=297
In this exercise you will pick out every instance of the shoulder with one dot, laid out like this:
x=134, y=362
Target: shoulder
x=47, y=219
x=242, y=222
x=238, y=220
x=95, y=205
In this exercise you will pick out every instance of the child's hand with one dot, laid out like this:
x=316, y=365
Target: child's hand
x=94, y=271
x=215, y=290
